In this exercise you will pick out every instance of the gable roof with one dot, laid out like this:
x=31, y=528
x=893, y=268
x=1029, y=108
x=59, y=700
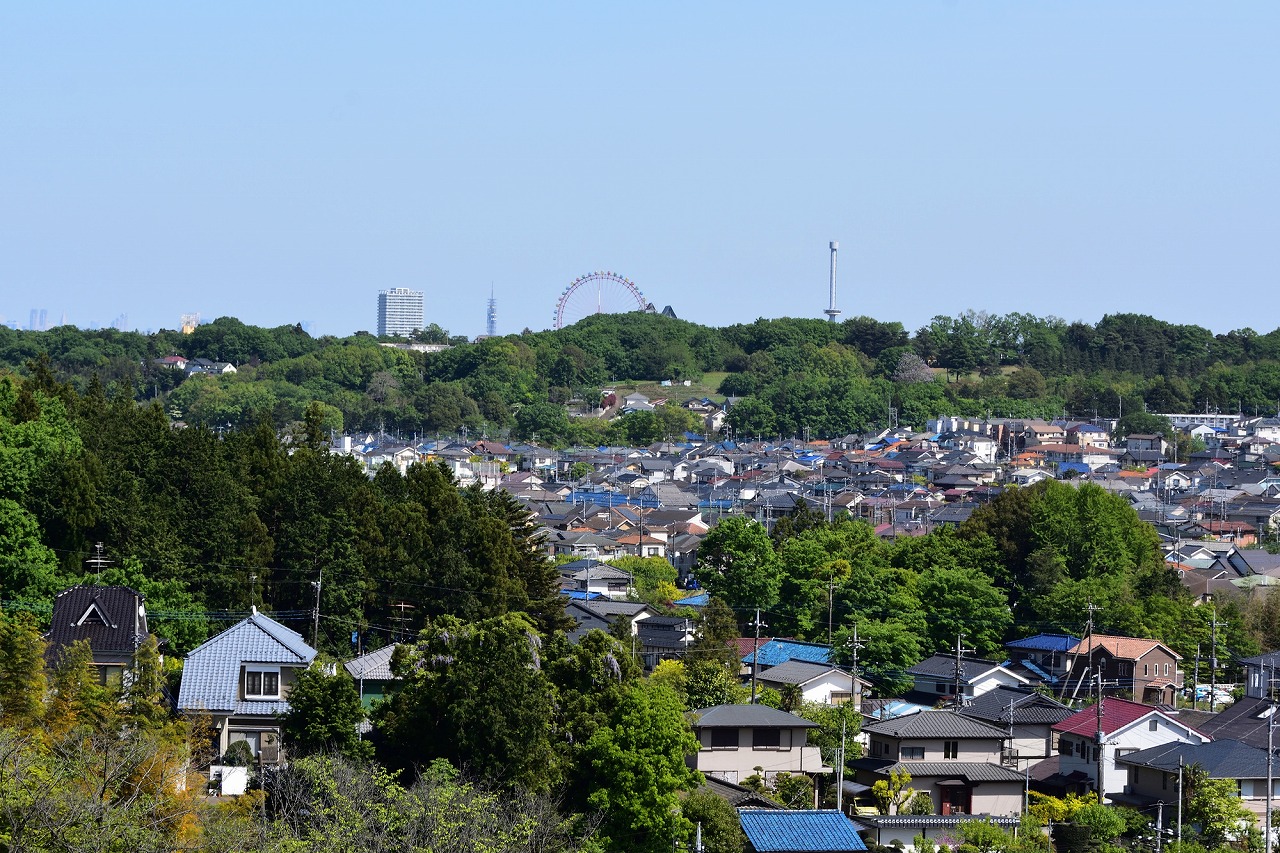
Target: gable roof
x=111, y=618
x=798, y=672
x=944, y=666
x=374, y=665
x=934, y=724
x=777, y=651
x=211, y=674
x=803, y=831
x=1116, y=714
x=1028, y=707
x=1045, y=643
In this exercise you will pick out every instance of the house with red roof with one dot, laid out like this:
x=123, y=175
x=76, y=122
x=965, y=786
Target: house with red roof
x=1089, y=743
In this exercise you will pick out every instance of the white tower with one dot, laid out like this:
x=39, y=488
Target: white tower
x=832, y=311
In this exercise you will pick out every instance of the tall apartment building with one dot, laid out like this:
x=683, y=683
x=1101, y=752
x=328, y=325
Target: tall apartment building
x=399, y=312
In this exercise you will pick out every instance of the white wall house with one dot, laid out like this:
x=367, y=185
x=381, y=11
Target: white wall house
x=1127, y=727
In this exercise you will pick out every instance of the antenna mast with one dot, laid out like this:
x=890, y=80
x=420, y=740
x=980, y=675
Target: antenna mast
x=97, y=561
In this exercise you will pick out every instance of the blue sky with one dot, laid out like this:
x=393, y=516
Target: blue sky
x=283, y=162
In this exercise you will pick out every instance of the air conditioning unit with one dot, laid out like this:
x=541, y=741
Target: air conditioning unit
x=269, y=751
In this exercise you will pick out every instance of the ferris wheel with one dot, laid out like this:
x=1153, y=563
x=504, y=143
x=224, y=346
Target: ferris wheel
x=597, y=293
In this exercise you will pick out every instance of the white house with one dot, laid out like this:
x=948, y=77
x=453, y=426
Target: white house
x=1126, y=728
x=818, y=682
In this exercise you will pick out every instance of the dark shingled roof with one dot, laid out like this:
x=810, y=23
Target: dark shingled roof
x=1244, y=720
x=944, y=666
x=934, y=724
x=1221, y=759
x=111, y=618
x=740, y=716
x=1029, y=707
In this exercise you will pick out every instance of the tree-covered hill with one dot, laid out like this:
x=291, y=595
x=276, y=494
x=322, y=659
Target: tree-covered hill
x=791, y=374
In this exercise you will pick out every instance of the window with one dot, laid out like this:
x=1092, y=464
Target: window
x=262, y=684
x=1166, y=669
x=1153, y=725
x=766, y=738
x=915, y=753
x=1145, y=667
x=940, y=687
x=724, y=738
x=951, y=749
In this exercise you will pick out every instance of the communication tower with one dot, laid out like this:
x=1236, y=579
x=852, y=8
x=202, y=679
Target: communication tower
x=832, y=311
x=491, y=316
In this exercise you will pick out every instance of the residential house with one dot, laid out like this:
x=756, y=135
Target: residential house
x=214, y=368
x=1043, y=655
x=955, y=759
x=1028, y=717
x=1261, y=675
x=1125, y=728
x=592, y=576
x=1152, y=774
x=740, y=741
x=799, y=831
x=241, y=680
x=1145, y=669
x=372, y=674
x=777, y=651
x=818, y=682
x=936, y=678
x=1036, y=433
x=664, y=638
x=899, y=831
x=112, y=618
x=1143, y=442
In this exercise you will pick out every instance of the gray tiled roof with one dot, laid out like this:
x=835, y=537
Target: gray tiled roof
x=741, y=716
x=934, y=724
x=971, y=771
x=944, y=666
x=1221, y=759
x=1029, y=708
x=795, y=672
x=375, y=665
x=211, y=674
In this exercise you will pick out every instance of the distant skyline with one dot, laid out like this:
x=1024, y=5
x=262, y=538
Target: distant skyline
x=284, y=163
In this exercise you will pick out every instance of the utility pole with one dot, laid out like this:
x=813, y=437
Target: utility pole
x=840, y=768
x=831, y=597
x=315, y=611
x=1159, y=824
x=1271, y=728
x=959, y=670
x=1091, y=608
x=854, y=645
x=1213, y=659
x=1098, y=740
x=755, y=655
x=1195, y=679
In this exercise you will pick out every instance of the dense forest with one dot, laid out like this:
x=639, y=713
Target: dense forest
x=791, y=374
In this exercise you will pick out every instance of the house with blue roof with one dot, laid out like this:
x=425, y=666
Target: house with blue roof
x=240, y=679
x=800, y=831
x=1043, y=655
x=778, y=651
